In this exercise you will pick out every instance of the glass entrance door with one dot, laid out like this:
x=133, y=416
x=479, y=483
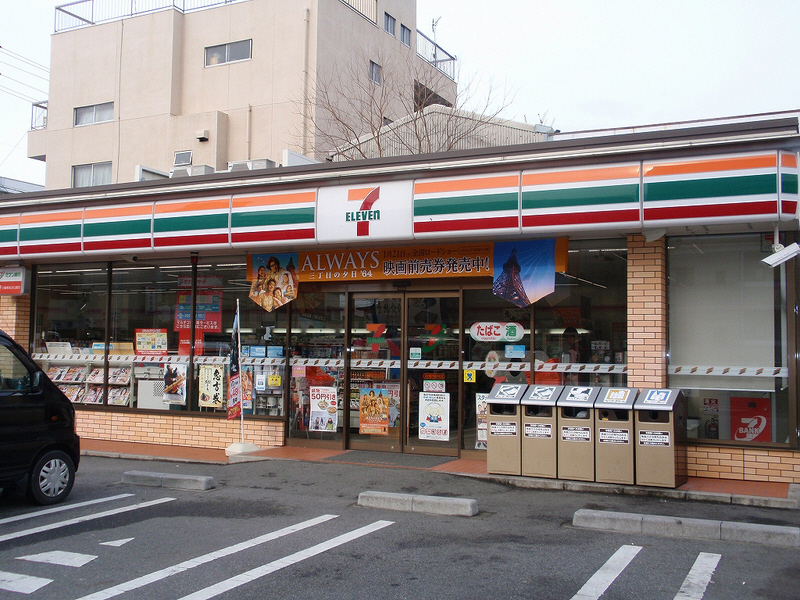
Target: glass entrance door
x=432, y=388
x=376, y=372
x=404, y=373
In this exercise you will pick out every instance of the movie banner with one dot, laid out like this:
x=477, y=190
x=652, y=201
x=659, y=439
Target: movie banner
x=273, y=279
x=373, y=412
x=423, y=261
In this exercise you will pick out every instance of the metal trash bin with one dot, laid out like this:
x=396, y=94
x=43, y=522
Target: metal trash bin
x=503, y=446
x=539, y=441
x=661, y=419
x=613, y=435
x=575, y=409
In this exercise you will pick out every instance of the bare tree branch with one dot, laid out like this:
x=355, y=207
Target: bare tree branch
x=415, y=108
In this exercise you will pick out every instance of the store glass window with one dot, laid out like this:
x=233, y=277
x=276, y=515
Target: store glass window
x=482, y=310
x=316, y=403
x=149, y=349
x=221, y=285
x=728, y=337
x=581, y=328
x=69, y=323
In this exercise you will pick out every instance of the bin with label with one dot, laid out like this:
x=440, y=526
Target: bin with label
x=660, y=424
x=503, y=449
x=613, y=435
x=539, y=433
x=575, y=407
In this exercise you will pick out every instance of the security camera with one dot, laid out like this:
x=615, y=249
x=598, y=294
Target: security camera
x=781, y=254
x=132, y=259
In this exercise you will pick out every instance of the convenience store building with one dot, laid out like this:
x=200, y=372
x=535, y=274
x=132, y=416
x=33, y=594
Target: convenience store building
x=401, y=302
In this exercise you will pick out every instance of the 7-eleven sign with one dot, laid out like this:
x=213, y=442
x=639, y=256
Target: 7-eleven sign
x=383, y=211
x=365, y=213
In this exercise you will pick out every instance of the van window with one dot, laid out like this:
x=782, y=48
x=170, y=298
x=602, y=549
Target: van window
x=13, y=373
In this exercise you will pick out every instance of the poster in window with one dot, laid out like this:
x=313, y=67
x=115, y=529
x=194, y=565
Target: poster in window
x=373, y=412
x=273, y=279
x=434, y=416
x=175, y=384
x=324, y=409
x=751, y=419
x=210, y=385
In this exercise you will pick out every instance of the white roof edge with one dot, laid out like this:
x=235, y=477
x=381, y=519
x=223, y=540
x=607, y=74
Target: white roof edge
x=676, y=125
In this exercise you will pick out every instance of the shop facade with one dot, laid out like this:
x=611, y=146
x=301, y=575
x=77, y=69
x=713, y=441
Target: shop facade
x=379, y=301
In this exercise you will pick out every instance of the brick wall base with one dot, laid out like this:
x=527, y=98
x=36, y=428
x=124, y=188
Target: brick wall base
x=176, y=429
x=743, y=464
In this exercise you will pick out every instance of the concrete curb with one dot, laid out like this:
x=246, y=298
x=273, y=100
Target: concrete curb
x=434, y=505
x=129, y=456
x=703, y=529
x=533, y=483
x=169, y=480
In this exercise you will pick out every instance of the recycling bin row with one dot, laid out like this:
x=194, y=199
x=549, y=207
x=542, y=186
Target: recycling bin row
x=585, y=433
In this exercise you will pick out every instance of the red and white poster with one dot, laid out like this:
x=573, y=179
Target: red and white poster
x=324, y=409
x=751, y=419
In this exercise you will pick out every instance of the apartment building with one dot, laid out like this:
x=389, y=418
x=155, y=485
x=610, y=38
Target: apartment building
x=208, y=85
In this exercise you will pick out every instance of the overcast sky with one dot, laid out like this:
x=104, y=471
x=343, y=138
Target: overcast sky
x=578, y=64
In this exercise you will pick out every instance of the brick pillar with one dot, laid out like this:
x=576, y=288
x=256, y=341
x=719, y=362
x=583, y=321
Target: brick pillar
x=15, y=317
x=647, y=312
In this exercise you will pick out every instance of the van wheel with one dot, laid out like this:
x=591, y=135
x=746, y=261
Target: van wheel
x=51, y=478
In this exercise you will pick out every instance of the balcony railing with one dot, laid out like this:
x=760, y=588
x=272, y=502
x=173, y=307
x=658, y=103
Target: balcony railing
x=39, y=115
x=368, y=8
x=436, y=55
x=85, y=13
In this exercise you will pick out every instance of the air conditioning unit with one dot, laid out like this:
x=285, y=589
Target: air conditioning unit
x=193, y=170
x=251, y=165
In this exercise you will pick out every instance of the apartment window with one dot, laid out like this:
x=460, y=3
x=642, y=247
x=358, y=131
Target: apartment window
x=227, y=53
x=405, y=35
x=92, y=174
x=388, y=23
x=374, y=72
x=96, y=113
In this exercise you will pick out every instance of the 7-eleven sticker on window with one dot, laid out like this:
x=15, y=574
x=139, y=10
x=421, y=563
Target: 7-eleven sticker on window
x=379, y=211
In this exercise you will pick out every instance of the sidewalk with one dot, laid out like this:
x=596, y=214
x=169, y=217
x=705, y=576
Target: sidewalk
x=764, y=494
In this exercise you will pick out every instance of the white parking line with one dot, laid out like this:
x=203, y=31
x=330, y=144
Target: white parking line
x=144, y=580
x=605, y=576
x=22, y=584
x=63, y=507
x=60, y=557
x=248, y=576
x=100, y=515
x=696, y=582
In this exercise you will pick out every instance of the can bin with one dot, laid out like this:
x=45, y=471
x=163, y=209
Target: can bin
x=503, y=446
x=539, y=431
x=575, y=407
x=613, y=435
x=660, y=423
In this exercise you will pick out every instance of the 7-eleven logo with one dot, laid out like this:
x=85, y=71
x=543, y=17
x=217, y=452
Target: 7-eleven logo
x=364, y=215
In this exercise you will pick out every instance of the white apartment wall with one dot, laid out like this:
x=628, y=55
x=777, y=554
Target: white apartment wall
x=347, y=42
x=152, y=67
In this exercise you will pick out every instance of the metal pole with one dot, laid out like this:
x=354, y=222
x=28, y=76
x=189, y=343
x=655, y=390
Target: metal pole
x=241, y=375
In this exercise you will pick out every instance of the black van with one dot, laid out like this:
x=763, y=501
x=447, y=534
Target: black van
x=38, y=443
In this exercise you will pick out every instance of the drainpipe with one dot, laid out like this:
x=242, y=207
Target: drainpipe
x=249, y=125
x=305, y=81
